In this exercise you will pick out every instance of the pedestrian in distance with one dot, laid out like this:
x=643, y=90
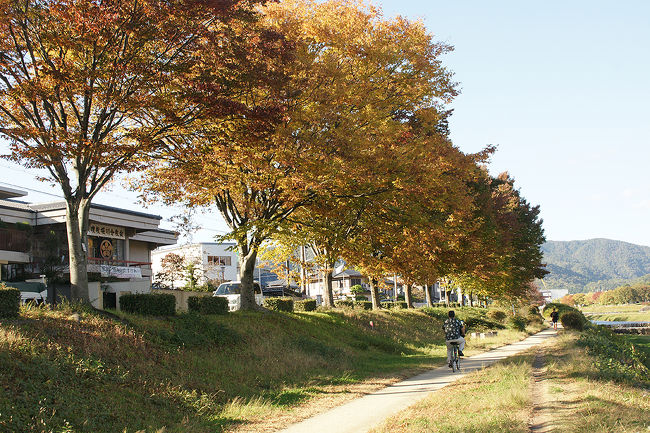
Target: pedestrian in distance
x=554, y=318
x=454, y=333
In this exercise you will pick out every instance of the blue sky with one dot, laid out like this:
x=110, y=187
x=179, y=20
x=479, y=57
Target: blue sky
x=561, y=87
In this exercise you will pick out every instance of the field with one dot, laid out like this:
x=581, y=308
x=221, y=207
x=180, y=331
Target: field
x=616, y=313
x=193, y=373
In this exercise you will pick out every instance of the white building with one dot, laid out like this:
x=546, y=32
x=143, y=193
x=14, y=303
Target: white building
x=551, y=295
x=119, y=245
x=215, y=262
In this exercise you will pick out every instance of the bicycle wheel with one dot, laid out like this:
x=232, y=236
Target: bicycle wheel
x=458, y=363
x=454, y=359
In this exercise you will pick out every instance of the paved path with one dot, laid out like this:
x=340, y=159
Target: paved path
x=359, y=416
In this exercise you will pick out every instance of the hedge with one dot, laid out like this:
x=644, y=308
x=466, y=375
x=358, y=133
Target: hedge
x=344, y=304
x=9, y=301
x=572, y=320
x=208, y=304
x=365, y=305
x=279, y=304
x=148, y=304
x=398, y=304
x=304, y=305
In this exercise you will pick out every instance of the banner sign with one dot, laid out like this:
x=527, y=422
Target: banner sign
x=106, y=231
x=121, y=271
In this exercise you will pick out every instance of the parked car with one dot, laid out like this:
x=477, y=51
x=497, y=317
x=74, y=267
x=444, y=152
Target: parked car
x=232, y=291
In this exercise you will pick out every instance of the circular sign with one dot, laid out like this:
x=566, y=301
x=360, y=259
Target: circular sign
x=106, y=249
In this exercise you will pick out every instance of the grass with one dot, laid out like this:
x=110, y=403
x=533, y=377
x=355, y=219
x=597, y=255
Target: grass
x=192, y=373
x=495, y=399
x=626, y=308
x=621, y=317
x=590, y=389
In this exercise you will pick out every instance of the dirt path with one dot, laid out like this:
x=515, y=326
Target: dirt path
x=541, y=420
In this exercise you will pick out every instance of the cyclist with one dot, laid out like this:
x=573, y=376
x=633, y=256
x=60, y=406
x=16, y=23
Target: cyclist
x=454, y=332
x=554, y=318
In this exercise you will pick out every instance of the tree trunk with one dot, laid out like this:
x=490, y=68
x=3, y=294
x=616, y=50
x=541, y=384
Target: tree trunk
x=76, y=222
x=427, y=294
x=247, y=259
x=328, y=296
x=471, y=300
x=461, y=299
x=374, y=294
x=408, y=295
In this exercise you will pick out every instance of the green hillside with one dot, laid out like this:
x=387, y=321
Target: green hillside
x=594, y=264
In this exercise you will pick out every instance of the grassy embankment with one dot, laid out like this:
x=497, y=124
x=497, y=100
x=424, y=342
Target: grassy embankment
x=595, y=382
x=193, y=373
x=616, y=313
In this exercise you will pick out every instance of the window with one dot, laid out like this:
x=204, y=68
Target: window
x=219, y=260
x=355, y=281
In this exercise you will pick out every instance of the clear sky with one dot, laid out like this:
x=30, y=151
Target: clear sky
x=561, y=87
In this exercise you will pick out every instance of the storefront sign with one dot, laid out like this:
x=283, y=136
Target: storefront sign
x=106, y=231
x=121, y=271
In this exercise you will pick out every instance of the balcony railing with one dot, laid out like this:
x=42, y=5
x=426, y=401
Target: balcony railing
x=115, y=262
x=13, y=240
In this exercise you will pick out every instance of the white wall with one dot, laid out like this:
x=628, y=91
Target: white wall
x=200, y=252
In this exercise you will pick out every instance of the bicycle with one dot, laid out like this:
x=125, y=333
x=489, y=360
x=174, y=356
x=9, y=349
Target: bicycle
x=455, y=357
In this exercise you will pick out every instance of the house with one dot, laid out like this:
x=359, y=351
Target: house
x=33, y=241
x=214, y=263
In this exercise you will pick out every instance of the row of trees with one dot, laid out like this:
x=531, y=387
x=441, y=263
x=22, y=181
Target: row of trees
x=626, y=294
x=302, y=122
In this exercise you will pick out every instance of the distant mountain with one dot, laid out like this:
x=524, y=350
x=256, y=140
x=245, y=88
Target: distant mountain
x=594, y=264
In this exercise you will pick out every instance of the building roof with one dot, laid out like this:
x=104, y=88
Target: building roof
x=348, y=273
x=6, y=192
x=61, y=205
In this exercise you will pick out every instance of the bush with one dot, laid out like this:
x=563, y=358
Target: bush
x=342, y=303
x=208, y=304
x=304, y=305
x=148, y=304
x=365, y=305
x=534, y=318
x=572, y=320
x=279, y=304
x=9, y=301
x=533, y=309
x=496, y=315
x=517, y=323
x=398, y=304
x=360, y=298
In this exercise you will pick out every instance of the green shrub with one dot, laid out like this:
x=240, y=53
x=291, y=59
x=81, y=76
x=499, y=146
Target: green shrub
x=497, y=315
x=572, y=320
x=304, y=305
x=148, y=304
x=279, y=304
x=9, y=301
x=534, y=318
x=398, y=304
x=533, y=309
x=343, y=303
x=360, y=298
x=208, y=304
x=517, y=323
x=365, y=305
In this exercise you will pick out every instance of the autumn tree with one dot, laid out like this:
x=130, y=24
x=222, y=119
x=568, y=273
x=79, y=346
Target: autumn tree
x=86, y=88
x=349, y=94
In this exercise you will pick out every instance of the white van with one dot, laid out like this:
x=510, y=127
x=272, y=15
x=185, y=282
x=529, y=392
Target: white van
x=232, y=291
